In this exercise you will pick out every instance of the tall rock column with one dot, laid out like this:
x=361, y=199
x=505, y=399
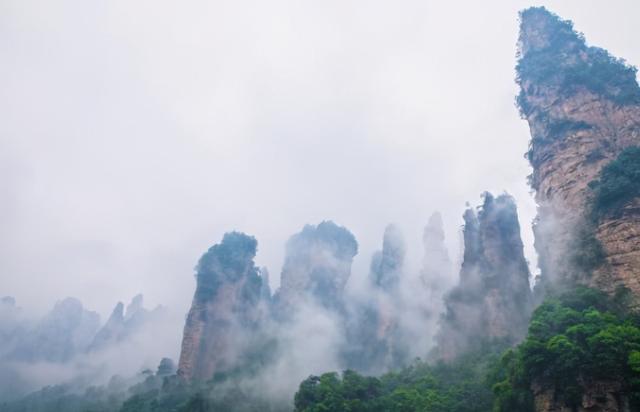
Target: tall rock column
x=374, y=331
x=493, y=299
x=316, y=268
x=226, y=308
x=436, y=273
x=583, y=110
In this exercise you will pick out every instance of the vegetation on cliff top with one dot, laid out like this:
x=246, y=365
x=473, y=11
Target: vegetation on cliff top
x=228, y=261
x=565, y=63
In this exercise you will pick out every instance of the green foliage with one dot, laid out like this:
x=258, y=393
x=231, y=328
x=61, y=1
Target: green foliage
x=176, y=395
x=587, y=253
x=226, y=391
x=580, y=337
x=228, y=261
x=464, y=385
x=576, y=338
x=330, y=392
x=617, y=184
x=510, y=390
x=168, y=394
x=566, y=64
x=560, y=127
x=63, y=398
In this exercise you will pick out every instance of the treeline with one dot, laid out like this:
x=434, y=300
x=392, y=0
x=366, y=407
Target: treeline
x=575, y=340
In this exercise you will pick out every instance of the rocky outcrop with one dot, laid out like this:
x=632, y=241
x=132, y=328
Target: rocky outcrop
x=167, y=367
x=265, y=292
x=63, y=333
x=12, y=325
x=583, y=110
x=123, y=325
x=69, y=341
x=226, y=309
x=492, y=301
x=375, y=335
x=316, y=269
x=436, y=273
x=386, y=265
x=234, y=325
x=597, y=396
x=111, y=330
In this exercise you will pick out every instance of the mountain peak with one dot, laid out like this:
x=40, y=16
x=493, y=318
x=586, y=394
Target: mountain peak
x=541, y=29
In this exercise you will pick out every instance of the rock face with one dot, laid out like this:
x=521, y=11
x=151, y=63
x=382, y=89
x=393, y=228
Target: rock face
x=111, y=330
x=226, y=308
x=265, y=292
x=493, y=299
x=166, y=367
x=386, y=265
x=69, y=338
x=598, y=396
x=234, y=324
x=64, y=332
x=436, y=273
x=374, y=331
x=583, y=110
x=316, y=268
x=12, y=325
x=122, y=325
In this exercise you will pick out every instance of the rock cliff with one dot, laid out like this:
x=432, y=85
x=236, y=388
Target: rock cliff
x=317, y=267
x=12, y=325
x=583, y=110
x=123, y=325
x=492, y=301
x=226, y=309
x=375, y=334
x=436, y=273
x=65, y=331
x=598, y=396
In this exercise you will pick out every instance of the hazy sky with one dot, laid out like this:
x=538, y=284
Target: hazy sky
x=133, y=134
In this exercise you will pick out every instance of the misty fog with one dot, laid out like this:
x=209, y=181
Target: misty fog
x=134, y=135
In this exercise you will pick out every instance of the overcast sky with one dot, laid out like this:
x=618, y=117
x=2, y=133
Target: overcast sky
x=133, y=134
